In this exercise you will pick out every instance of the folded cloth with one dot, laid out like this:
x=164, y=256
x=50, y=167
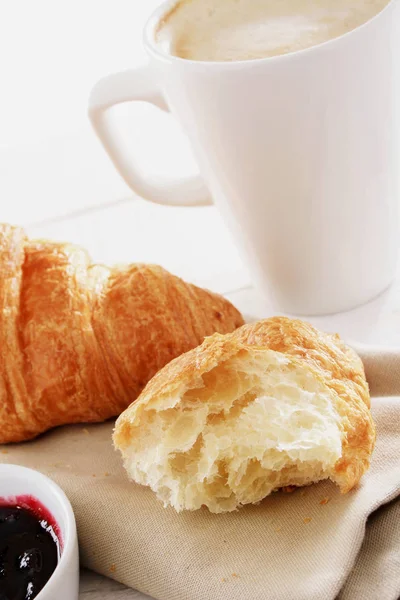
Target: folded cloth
x=382, y=368
x=376, y=574
x=311, y=544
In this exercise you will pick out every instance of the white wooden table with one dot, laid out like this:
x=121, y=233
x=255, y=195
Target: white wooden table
x=56, y=180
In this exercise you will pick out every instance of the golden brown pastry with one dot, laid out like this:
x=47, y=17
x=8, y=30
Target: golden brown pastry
x=78, y=342
x=274, y=404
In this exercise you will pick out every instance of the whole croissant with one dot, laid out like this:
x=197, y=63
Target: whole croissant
x=78, y=341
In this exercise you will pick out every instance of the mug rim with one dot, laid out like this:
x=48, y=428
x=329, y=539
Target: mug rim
x=156, y=52
x=69, y=535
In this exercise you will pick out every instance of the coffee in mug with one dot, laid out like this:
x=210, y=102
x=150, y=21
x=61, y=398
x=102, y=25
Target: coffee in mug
x=231, y=30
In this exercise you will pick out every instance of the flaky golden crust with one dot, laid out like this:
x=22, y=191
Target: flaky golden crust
x=12, y=383
x=326, y=356
x=78, y=342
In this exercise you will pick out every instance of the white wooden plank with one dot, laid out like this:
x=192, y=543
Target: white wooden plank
x=55, y=177
x=190, y=242
x=67, y=173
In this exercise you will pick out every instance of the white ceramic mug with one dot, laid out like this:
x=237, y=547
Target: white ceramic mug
x=299, y=152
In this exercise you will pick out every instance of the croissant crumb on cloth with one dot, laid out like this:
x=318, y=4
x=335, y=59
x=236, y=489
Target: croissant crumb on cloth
x=273, y=404
x=78, y=342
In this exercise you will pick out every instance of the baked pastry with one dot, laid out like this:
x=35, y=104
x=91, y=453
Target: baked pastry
x=274, y=404
x=78, y=342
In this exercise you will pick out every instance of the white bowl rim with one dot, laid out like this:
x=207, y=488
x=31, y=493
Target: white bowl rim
x=69, y=535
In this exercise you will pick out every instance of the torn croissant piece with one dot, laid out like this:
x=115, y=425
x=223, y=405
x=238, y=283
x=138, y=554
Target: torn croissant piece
x=274, y=404
x=78, y=342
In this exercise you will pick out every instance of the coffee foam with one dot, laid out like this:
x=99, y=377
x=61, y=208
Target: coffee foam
x=229, y=30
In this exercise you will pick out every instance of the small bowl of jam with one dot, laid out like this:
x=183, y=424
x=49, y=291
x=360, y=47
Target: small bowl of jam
x=38, y=541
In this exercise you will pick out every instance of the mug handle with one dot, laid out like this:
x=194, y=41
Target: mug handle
x=139, y=85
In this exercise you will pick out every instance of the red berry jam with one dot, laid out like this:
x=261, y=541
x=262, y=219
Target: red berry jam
x=29, y=548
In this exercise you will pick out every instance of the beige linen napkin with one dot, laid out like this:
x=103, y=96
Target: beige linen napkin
x=299, y=546
x=376, y=573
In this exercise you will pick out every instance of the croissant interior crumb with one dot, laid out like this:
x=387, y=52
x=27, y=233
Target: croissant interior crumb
x=252, y=424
